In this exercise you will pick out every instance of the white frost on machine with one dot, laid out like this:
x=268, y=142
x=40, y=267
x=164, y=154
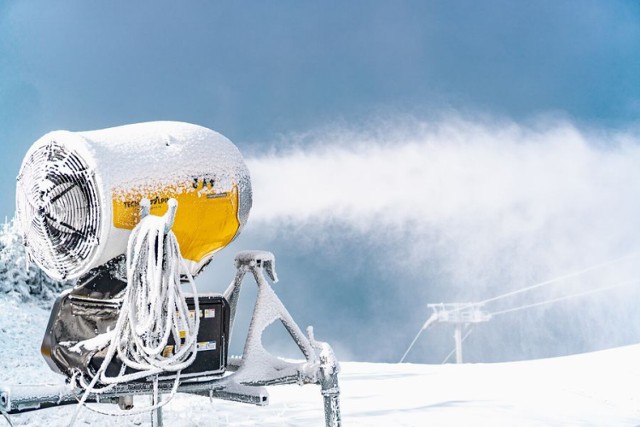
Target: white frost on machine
x=79, y=196
x=78, y=192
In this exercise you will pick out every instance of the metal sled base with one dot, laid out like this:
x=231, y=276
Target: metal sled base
x=246, y=376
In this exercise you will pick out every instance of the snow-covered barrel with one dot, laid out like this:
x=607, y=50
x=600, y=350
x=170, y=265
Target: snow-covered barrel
x=78, y=193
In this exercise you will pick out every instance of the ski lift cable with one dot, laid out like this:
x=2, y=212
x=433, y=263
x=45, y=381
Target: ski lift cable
x=510, y=310
x=565, y=297
x=446, y=359
x=560, y=278
x=426, y=324
x=411, y=345
x=550, y=281
x=525, y=289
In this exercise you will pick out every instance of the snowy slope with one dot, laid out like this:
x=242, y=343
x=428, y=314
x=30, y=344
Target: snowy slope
x=601, y=389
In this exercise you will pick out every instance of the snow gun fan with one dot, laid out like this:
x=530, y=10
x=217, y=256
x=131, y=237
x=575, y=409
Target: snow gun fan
x=132, y=213
x=57, y=198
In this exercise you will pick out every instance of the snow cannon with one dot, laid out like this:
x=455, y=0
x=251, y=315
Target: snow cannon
x=133, y=213
x=78, y=193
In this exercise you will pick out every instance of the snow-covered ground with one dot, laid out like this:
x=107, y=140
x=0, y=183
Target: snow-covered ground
x=601, y=389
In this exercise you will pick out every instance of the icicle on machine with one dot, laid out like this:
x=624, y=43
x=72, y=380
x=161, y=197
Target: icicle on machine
x=133, y=213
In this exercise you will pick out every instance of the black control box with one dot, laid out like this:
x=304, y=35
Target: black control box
x=213, y=336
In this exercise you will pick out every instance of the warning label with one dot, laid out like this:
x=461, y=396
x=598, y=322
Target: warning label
x=206, y=345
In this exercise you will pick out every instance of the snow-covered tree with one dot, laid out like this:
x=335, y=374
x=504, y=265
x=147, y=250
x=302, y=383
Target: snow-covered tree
x=21, y=279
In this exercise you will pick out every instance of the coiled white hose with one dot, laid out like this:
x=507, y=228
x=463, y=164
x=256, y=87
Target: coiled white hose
x=153, y=309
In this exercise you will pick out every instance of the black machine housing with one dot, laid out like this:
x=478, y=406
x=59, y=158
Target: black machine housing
x=92, y=307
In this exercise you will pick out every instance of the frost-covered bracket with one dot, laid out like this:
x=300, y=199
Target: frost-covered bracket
x=257, y=367
x=246, y=376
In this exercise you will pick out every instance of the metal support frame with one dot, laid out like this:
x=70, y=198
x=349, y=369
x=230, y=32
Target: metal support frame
x=461, y=315
x=246, y=376
x=321, y=366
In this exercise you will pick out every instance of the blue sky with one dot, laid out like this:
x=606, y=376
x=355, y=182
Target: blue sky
x=264, y=72
x=256, y=70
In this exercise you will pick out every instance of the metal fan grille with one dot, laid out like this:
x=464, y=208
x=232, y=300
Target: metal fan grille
x=59, y=210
